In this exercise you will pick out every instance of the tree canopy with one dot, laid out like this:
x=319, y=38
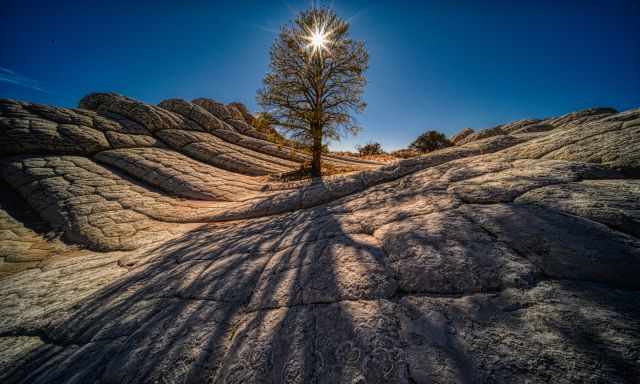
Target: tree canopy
x=371, y=148
x=430, y=141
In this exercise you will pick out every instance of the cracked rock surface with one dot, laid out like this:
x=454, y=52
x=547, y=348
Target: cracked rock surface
x=142, y=243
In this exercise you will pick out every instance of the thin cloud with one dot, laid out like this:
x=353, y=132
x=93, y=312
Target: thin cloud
x=357, y=15
x=12, y=77
x=265, y=29
x=292, y=10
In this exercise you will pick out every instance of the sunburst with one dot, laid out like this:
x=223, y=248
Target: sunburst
x=318, y=38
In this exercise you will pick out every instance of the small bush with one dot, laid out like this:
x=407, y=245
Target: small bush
x=370, y=149
x=263, y=122
x=430, y=141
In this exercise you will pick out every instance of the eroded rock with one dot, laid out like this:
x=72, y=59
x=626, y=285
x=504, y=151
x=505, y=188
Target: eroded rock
x=511, y=258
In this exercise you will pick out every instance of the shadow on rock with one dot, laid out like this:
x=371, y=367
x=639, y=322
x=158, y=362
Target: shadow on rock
x=270, y=300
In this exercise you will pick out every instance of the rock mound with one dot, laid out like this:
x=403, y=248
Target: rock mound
x=510, y=257
x=485, y=133
x=530, y=128
x=458, y=137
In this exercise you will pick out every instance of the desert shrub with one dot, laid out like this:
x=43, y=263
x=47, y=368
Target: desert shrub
x=370, y=149
x=430, y=141
x=263, y=122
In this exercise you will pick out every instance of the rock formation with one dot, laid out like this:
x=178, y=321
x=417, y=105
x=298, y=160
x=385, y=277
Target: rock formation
x=143, y=243
x=458, y=137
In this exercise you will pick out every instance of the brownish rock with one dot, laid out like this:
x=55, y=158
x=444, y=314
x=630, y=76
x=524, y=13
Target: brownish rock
x=455, y=139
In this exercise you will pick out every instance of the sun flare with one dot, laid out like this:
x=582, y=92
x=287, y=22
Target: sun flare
x=318, y=38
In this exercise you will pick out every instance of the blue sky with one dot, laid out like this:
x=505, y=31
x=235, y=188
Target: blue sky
x=440, y=65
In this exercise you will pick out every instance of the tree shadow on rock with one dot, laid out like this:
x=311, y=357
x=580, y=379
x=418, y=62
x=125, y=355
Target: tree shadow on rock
x=270, y=300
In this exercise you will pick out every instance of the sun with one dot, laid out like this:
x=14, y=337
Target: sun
x=318, y=38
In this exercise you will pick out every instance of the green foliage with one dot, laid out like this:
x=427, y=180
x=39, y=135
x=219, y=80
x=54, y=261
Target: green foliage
x=262, y=122
x=430, y=141
x=369, y=149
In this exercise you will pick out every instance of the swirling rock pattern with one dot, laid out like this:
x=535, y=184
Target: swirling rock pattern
x=142, y=243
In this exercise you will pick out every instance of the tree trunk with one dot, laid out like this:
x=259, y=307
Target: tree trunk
x=317, y=152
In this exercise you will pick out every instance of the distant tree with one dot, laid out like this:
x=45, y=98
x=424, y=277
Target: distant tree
x=430, y=141
x=315, y=80
x=369, y=149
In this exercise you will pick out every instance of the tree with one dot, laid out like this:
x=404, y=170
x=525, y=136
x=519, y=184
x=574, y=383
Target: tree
x=315, y=80
x=370, y=148
x=430, y=141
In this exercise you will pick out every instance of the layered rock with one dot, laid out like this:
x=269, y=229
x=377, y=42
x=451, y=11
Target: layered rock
x=458, y=137
x=24, y=243
x=32, y=128
x=511, y=258
x=483, y=134
x=611, y=140
x=532, y=128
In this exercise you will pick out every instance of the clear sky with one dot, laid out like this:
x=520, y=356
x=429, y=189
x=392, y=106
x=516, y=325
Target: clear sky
x=441, y=65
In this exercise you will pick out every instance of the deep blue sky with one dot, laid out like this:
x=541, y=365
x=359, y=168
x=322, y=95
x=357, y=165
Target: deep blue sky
x=440, y=65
